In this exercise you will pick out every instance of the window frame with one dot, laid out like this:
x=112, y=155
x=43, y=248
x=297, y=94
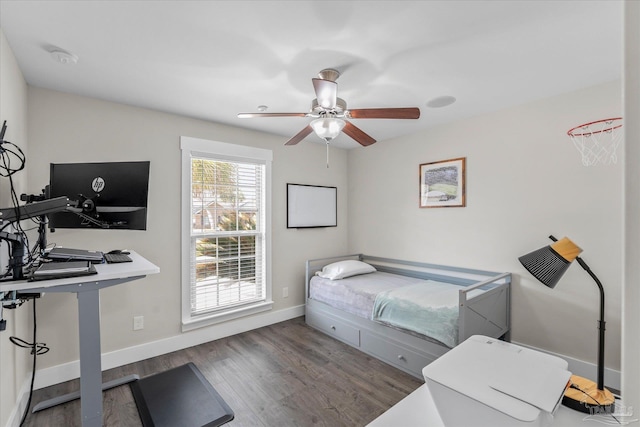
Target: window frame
x=221, y=151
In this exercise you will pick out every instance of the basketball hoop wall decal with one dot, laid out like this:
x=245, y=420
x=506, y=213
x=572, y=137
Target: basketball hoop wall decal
x=598, y=141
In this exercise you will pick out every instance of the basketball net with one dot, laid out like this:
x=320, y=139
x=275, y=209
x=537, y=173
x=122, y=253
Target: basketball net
x=598, y=141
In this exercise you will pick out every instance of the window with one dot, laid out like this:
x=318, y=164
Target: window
x=225, y=247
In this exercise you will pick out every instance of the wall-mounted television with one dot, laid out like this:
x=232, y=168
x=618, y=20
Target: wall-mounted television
x=311, y=206
x=102, y=195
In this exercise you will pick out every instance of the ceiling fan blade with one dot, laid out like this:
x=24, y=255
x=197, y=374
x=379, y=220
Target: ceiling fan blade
x=299, y=136
x=358, y=134
x=385, y=113
x=326, y=92
x=251, y=115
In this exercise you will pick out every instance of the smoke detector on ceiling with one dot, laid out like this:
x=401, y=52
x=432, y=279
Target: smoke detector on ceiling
x=64, y=57
x=441, y=101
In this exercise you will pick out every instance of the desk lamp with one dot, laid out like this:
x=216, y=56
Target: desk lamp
x=548, y=264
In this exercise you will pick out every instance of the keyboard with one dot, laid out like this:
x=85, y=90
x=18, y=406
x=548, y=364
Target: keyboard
x=115, y=258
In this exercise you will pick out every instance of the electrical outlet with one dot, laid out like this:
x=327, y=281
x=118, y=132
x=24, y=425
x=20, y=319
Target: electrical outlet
x=138, y=323
x=285, y=292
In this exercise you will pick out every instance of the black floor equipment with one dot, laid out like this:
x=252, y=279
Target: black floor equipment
x=181, y=396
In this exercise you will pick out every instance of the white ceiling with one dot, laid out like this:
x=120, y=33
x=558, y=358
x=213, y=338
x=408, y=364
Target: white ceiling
x=213, y=59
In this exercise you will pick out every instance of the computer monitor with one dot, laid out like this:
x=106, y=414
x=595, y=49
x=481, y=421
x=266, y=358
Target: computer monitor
x=102, y=195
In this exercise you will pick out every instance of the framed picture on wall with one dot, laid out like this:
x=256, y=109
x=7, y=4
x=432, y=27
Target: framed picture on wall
x=442, y=183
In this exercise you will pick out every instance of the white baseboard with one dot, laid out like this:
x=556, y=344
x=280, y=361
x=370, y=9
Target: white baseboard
x=68, y=371
x=18, y=410
x=585, y=369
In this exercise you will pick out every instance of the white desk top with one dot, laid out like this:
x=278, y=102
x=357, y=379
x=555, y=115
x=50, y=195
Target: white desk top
x=418, y=410
x=139, y=267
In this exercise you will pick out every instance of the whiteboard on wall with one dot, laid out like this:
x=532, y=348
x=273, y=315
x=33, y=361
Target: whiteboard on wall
x=310, y=206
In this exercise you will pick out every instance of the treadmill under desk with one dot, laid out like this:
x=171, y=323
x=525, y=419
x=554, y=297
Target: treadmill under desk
x=181, y=396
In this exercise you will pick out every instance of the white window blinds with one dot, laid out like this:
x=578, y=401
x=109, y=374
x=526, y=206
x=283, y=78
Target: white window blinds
x=227, y=234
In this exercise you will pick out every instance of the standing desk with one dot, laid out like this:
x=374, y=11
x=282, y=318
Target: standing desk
x=87, y=289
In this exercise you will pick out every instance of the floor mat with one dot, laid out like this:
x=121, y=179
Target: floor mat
x=181, y=396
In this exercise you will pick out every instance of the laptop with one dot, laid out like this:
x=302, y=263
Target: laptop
x=61, y=270
x=69, y=254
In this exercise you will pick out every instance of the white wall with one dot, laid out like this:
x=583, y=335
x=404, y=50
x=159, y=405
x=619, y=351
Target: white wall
x=525, y=181
x=66, y=128
x=631, y=297
x=14, y=361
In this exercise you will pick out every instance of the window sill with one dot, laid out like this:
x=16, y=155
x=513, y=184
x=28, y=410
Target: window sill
x=212, y=319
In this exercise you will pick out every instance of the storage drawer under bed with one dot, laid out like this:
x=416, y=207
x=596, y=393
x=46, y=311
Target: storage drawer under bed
x=397, y=355
x=335, y=327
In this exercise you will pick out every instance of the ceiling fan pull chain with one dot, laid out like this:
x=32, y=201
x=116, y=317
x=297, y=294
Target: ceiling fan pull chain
x=327, y=154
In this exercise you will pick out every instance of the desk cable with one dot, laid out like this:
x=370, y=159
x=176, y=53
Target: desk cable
x=36, y=350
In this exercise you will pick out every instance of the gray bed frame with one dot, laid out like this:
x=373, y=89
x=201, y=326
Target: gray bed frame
x=486, y=314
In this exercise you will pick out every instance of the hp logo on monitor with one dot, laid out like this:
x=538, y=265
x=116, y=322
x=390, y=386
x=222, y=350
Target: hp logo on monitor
x=97, y=184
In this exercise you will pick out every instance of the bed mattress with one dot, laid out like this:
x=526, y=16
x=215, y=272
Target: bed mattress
x=424, y=307
x=357, y=294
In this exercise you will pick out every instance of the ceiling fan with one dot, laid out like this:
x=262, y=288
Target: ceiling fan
x=330, y=113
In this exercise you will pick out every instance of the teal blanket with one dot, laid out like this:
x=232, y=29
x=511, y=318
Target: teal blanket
x=429, y=308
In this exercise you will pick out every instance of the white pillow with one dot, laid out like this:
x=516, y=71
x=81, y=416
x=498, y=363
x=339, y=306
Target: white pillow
x=343, y=269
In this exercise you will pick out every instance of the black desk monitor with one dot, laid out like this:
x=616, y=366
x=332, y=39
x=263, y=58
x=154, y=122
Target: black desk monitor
x=106, y=195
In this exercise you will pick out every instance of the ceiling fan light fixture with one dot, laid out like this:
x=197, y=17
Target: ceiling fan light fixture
x=327, y=128
x=329, y=111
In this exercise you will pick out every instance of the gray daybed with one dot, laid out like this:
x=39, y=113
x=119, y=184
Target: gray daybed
x=406, y=313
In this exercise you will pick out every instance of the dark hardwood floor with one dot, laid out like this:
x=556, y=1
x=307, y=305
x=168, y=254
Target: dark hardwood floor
x=285, y=374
